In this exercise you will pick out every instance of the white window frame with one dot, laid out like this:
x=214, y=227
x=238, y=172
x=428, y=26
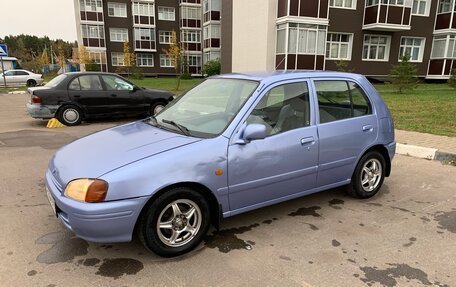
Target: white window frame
x=193, y=13
x=191, y=36
x=426, y=9
x=165, y=61
x=140, y=31
x=420, y=47
x=118, y=34
x=119, y=9
x=165, y=37
x=333, y=4
x=142, y=58
x=87, y=31
x=445, y=3
x=340, y=43
x=117, y=59
x=84, y=4
x=317, y=47
x=166, y=13
x=143, y=9
x=387, y=48
x=194, y=60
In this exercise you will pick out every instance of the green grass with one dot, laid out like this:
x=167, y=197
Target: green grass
x=168, y=84
x=430, y=108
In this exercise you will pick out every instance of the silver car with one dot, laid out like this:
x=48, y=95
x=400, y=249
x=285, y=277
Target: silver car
x=20, y=78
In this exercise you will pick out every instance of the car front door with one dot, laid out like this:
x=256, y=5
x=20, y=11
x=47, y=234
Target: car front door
x=21, y=77
x=123, y=96
x=347, y=126
x=284, y=163
x=10, y=77
x=87, y=91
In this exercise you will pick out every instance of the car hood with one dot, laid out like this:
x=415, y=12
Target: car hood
x=99, y=153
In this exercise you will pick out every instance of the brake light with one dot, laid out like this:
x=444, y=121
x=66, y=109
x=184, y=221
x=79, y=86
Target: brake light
x=36, y=100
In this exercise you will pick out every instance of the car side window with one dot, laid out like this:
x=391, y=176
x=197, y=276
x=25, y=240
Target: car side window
x=283, y=108
x=9, y=73
x=338, y=100
x=114, y=83
x=21, y=73
x=75, y=86
x=90, y=83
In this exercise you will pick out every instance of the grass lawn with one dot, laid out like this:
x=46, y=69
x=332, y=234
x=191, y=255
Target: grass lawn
x=168, y=84
x=430, y=108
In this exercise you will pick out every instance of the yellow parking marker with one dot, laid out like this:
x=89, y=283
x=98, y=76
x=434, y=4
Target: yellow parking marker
x=54, y=123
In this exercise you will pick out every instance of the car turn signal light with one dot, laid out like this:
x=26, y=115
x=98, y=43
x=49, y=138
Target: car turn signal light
x=87, y=190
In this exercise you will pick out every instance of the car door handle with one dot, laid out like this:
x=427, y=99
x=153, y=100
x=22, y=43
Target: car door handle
x=368, y=128
x=308, y=140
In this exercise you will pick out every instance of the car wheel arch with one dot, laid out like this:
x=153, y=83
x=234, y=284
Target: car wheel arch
x=383, y=151
x=215, y=207
x=63, y=104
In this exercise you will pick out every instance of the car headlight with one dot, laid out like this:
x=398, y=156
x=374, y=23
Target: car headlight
x=87, y=190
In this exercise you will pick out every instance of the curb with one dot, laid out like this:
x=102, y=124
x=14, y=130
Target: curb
x=17, y=92
x=424, y=152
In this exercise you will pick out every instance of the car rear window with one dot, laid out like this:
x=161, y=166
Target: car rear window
x=56, y=81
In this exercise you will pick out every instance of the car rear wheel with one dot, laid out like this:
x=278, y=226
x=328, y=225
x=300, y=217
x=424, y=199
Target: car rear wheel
x=31, y=83
x=175, y=222
x=69, y=115
x=156, y=107
x=368, y=176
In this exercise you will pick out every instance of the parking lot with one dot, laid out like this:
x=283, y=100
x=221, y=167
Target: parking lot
x=404, y=236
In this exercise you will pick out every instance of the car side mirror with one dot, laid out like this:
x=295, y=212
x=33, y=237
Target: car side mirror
x=253, y=132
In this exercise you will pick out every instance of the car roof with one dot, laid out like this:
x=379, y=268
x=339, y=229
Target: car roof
x=90, y=73
x=276, y=76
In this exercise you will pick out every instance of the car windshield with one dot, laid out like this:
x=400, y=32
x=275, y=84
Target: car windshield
x=207, y=109
x=57, y=80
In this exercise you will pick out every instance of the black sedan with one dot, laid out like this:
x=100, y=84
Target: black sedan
x=73, y=97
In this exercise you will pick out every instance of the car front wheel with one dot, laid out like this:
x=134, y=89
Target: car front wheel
x=157, y=107
x=69, y=115
x=175, y=222
x=31, y=83
x=368, y=176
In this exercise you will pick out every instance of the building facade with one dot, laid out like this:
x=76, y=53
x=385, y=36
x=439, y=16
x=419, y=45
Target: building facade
x=366, y=36
x=103, y=26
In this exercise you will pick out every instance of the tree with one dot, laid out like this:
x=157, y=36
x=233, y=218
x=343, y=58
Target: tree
x=342, y=66
x=129, y=60
x=404, y=75
x=452, y=79
x=211, y=68
x=175, y=52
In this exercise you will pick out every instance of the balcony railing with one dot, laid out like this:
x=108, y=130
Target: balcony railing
x=387, y=17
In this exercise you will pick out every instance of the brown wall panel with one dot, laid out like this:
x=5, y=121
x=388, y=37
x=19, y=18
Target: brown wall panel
x=281, y=8
x=443, y=21
x=294, y=7
x=291, y=62
x=309, y=8
x=215, y=15
x=448, y=64
x=320, y=62
x=280, y=62
x=453, y=25
x=227, y=32
x=383, y=12
x=436, y=67
x=306, y=62
x=324, y=9
x=407, y=20
x=395, y=15
x=369, y=18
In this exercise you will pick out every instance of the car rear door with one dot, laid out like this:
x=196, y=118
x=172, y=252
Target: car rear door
x=285, y=162
x=123, y=96
x=21, y=77
x=347, y=126
x=87, y=92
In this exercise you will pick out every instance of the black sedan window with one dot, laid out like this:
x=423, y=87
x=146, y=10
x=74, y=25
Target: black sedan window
x=90, y=83
x=114, y=83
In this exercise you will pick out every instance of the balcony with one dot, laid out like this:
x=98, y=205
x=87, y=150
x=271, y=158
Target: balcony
x=387, y=17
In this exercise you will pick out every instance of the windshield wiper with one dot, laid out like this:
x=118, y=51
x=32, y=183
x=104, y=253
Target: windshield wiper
x=182, y=128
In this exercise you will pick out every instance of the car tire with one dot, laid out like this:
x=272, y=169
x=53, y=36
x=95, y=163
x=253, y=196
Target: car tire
x=184, y=217
x=69, y=115
x=368, y=176
x=31, y=83
x=156, y=107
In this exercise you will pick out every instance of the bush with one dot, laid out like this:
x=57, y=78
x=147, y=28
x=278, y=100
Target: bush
x=211, y=68
x=92, y=66
x=452, y=79
x=403, y=75
x=136, y=73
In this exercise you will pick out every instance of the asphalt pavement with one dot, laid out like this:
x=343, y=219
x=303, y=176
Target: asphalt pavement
x=404, y=236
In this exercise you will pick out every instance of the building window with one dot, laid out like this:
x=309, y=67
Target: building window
x=306, y=39
x=212, y=31
x=211, y=55
x=349, y=4
x=118, y=34
x=144, y=34
x=420, y=7
x=144, y=60
x=166, y=13
x=190, y=13
x=117, y=59
x=413, y=47
x=92, y=31
x=117, y=9
x=376, y=48
x=338, y=46
x=143, y=9
x=194, y=61
x=444, y=6
x=166, y=61
x=442, y=44
x=165, y=37
x=189, y=36
x=91, y=5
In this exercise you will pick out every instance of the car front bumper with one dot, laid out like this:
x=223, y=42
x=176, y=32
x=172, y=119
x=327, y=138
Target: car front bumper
x=38, y=111
x=104, y=222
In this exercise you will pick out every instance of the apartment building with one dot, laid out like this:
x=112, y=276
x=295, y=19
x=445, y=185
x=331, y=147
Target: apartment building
x=370, y=36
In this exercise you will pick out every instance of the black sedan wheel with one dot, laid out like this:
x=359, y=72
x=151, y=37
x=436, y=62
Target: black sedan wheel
x=69, y=115
x=175, y=222
x=157, y=107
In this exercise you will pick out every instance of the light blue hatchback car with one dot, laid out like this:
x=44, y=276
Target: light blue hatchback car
x=232, y=144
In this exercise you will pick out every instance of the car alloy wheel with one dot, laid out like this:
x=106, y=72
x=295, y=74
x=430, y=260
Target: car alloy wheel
x=179, y=222
x=371, y=174
x=368, y=176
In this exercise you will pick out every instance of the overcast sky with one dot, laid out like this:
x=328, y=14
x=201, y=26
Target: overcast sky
x=52, y=18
